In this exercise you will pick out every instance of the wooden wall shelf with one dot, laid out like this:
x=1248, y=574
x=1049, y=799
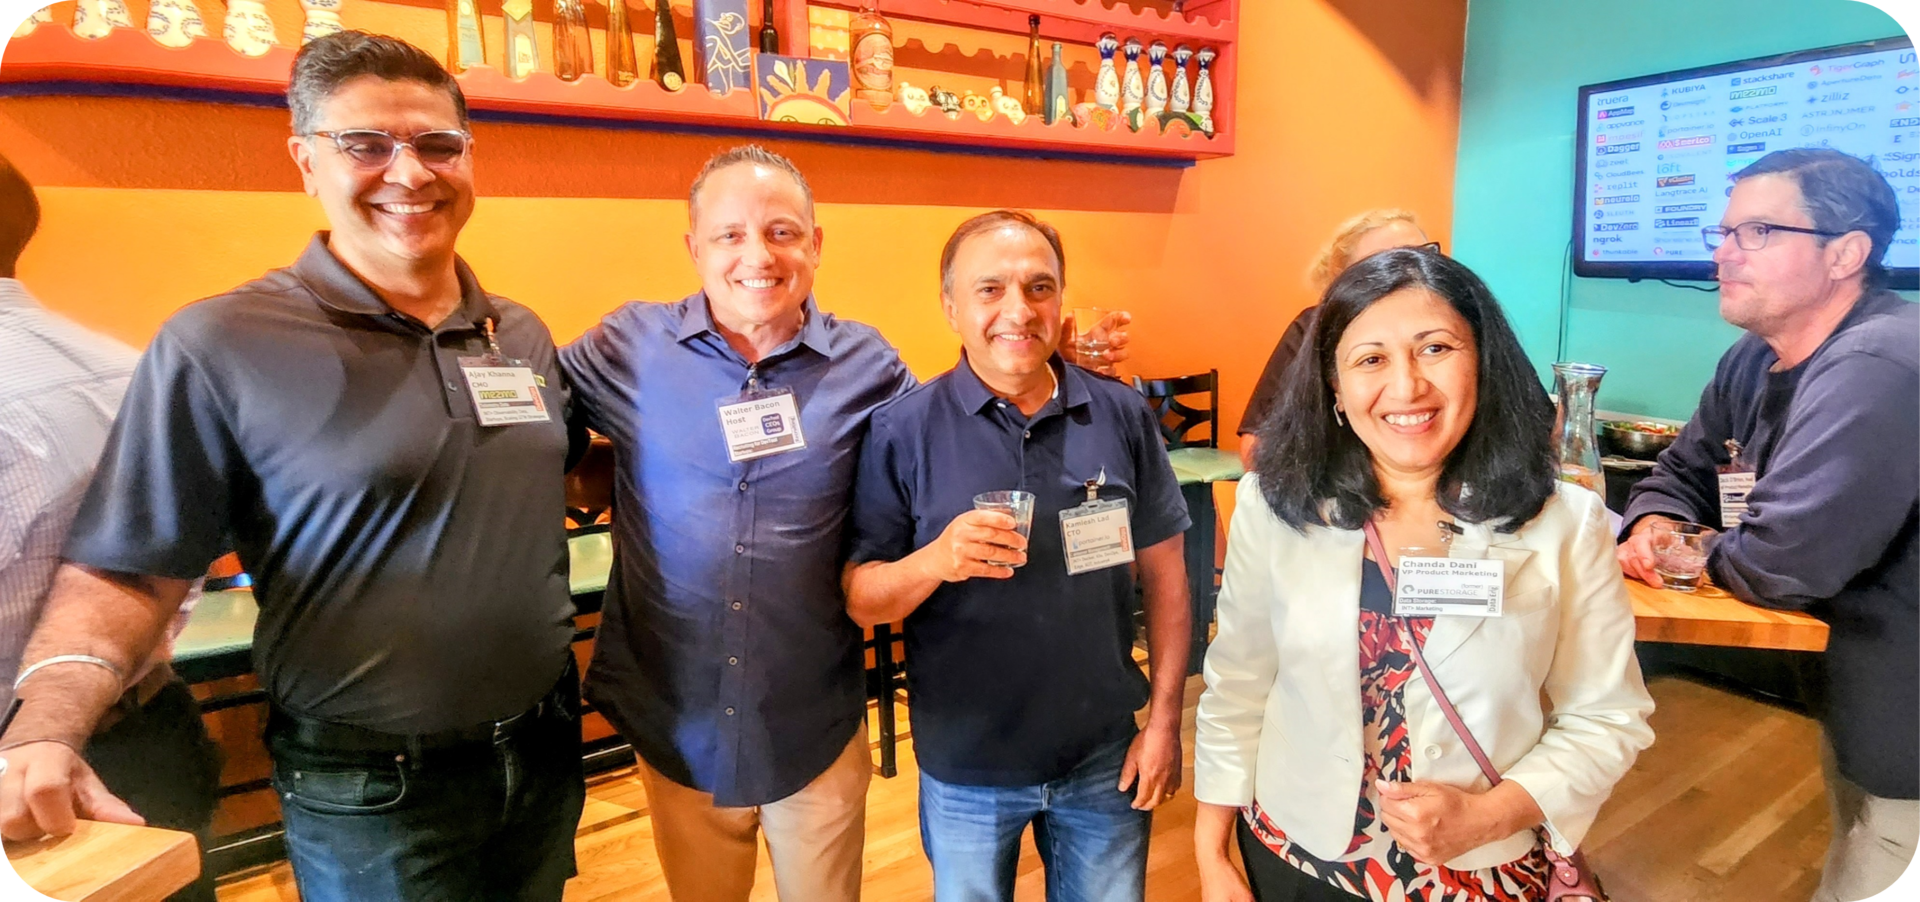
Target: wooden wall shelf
x=52, y=60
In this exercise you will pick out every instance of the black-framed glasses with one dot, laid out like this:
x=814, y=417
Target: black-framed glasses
x=1752, y=236
x=371, y=148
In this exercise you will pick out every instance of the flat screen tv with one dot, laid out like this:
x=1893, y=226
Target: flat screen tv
x=1654, y=153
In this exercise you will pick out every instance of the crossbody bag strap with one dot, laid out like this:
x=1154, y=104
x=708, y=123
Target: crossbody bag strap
x=1426, y=673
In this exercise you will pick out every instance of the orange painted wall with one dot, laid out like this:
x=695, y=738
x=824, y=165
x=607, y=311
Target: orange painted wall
x=1344, y=105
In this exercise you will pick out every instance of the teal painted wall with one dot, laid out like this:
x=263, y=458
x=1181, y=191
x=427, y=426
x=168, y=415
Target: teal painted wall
x=1513, y=187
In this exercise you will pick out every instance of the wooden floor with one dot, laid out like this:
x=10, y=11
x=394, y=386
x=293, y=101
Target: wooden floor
x=1727, y=805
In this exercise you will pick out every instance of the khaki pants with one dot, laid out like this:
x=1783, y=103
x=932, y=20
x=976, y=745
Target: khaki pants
x=1873, y=838
x=815, y=837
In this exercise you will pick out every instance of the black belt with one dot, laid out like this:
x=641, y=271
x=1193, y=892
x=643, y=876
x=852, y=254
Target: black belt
x=339, y=737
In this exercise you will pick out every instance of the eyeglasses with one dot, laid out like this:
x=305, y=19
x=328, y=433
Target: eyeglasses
x=374, y=149
x=1752, y=236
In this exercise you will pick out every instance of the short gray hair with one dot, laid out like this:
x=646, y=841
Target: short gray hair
x=326, y=63
x=743, y=155
x=1840, y=193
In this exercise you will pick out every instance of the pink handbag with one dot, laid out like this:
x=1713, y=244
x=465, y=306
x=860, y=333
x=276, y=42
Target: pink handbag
x=1571, y=878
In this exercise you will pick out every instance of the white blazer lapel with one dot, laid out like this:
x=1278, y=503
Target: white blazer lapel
x=1478, y=541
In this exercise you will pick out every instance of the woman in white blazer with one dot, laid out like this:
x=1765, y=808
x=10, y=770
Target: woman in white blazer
x=1319, y=745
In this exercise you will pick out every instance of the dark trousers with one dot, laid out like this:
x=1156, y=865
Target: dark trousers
x=486, y=820
x=159, y=759
x=1274, y=880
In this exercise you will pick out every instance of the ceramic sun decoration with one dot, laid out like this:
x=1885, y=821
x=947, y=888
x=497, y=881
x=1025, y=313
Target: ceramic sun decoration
x=914, y=99
x=723, y=42
x=323, y=18
x=1106, y=85
x=174, y=23
x=811, y=92
x=94, y=19
x=1203, y=90
x=466, y=47
x=947, y=101
x=1007, y=106
x=523, y=49
x=1156, y=79
x=1182, y=89
x=248, y=29
x=1133, y=88
x=979, y=106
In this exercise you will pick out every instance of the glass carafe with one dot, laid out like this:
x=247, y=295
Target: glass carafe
x=1576, y=448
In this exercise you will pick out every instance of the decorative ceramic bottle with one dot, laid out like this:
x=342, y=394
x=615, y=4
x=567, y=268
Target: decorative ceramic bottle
x=872, y=56
x=1057, y=100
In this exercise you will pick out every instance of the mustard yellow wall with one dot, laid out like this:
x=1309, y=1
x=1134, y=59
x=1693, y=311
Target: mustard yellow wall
x=1343, y=105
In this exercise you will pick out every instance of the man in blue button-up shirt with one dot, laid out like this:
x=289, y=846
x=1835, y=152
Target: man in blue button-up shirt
x=1024, y=685
x=725, y=654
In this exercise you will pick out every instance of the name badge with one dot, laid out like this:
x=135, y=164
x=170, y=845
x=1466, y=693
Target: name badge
x=1445, y=586
x=761, y=423
x=505, y=392
x=1096, y=535
x=1734, y=488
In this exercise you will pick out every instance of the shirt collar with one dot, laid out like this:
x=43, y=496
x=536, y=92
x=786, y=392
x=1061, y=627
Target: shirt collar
x=339, y=288
x=696, y=319
x=975, y=396
x=15, y=294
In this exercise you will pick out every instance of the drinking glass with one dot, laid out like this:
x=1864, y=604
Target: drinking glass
x=1017, y=504
x=1680, y=553
x=1092, y=336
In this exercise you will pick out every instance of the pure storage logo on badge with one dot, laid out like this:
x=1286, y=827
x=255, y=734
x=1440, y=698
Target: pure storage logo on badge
x=10, y=18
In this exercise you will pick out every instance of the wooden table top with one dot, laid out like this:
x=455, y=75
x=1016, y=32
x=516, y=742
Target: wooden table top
x=1710, y=616
x=103, y=862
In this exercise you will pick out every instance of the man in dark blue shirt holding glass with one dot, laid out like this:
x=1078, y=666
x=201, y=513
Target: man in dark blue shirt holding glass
x=1024, y=684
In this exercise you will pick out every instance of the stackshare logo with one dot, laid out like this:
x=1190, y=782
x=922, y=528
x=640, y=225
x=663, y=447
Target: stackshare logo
x=1677, y=143
x=1739, y=80
x=1614, y=113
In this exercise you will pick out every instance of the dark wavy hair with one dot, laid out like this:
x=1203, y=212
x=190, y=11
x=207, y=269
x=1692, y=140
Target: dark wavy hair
x=1315, y=472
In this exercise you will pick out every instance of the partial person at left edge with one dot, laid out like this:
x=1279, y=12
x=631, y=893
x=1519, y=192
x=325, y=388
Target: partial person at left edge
x=368, y=429
x=58, y=394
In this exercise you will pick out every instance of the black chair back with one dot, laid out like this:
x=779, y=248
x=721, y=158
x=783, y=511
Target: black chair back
x=1179, y=419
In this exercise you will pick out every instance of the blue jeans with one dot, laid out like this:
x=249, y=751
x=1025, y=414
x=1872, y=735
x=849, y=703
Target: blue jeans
x=482, y=821
x=1091, y=841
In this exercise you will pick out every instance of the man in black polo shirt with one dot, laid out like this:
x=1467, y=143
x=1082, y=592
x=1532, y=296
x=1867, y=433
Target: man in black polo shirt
x=382, y=442
x=1024, y=685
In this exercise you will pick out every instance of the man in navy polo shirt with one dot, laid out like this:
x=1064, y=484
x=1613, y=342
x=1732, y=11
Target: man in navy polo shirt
x=1024, y=685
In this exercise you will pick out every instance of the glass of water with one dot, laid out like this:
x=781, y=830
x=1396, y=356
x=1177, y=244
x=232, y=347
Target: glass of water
x=1017, y=504
x=1092, y=336
x=1680, y=553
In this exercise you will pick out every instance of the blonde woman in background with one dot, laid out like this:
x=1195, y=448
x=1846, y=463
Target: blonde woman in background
x=1356, y=239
